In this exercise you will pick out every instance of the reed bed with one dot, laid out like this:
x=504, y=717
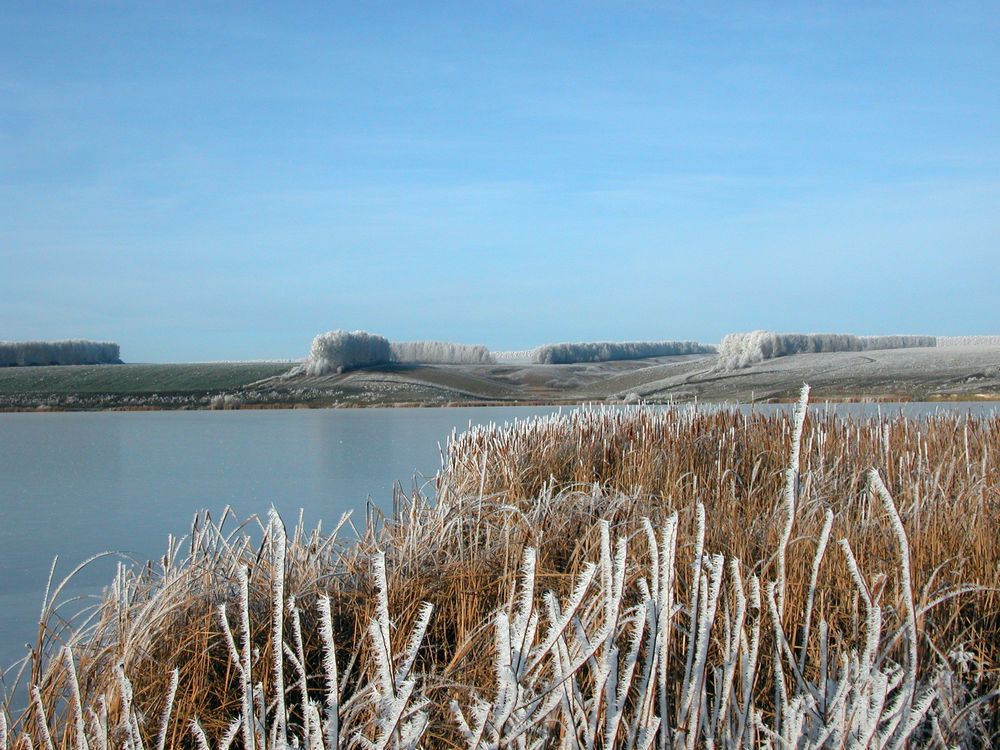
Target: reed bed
x=629, y=578
x=943, y=471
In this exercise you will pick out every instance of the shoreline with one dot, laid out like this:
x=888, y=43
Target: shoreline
x=880, y=399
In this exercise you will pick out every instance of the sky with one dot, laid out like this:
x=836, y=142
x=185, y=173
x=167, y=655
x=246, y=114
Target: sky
x=211, y=181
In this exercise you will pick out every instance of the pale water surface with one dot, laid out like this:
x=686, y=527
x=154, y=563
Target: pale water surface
x=74, y=484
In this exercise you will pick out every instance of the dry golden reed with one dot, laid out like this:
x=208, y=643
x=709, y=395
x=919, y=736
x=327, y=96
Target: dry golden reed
x=942, y=471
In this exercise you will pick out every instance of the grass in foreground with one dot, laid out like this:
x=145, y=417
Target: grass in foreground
x=709, y=580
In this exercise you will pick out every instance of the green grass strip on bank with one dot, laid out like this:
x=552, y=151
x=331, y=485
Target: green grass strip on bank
x=136, y=378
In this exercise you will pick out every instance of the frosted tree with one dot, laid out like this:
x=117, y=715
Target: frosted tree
x=337, y=351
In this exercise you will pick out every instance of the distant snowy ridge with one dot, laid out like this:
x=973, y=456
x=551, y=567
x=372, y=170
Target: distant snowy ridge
x=606, y=351
x=739, y=350
x=69, y=352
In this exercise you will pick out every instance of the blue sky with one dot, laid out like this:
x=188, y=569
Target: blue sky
x=223, y=181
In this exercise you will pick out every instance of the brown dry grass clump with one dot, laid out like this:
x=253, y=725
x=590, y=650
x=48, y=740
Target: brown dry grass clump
x=943, y=473
x=549, y=484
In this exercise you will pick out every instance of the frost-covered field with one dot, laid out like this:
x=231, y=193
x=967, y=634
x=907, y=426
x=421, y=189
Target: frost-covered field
x=136, y=378
x=920, y=374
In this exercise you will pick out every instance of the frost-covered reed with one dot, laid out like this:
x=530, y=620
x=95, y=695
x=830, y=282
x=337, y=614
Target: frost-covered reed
x=70, y=352
x=606, y=351
x=578, y=616
x=739, y=350
x=944, y=471
x=439, y=353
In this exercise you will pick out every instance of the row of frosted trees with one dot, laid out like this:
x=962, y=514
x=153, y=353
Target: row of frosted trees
x=336, y=351
x=72, y=352
x=739, y=350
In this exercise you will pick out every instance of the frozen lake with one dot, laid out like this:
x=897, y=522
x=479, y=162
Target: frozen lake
x=75, y=484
